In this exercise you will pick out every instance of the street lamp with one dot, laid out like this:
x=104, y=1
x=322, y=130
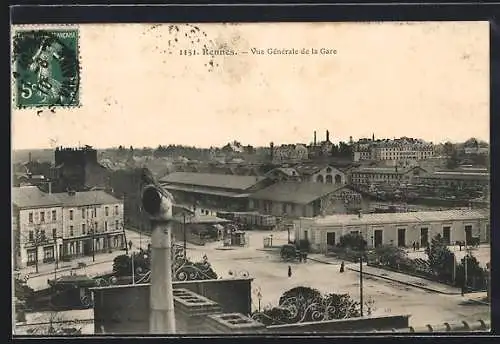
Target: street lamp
x=466, y=258
x=132, y=259
x=259, y=297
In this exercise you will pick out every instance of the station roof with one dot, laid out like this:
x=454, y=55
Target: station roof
x=297, y=193
x=213, y=180
x=395, y=218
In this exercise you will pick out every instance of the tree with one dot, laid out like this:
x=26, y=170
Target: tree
x=476, y=275
x=352, y=241
x=390, y=255
x=122, y=265
x=441, y=259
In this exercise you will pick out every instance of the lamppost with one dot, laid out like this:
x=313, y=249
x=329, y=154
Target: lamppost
x=259, y=297
x=132, y=260
x=466, y=258
x=361, y=281
x=56, y=264
x=184, y=230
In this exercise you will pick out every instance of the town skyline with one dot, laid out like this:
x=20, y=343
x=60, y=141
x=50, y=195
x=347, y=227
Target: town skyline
x=319, y=140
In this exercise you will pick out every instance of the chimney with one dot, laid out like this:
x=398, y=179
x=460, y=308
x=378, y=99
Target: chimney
x=315, y=138
x=271, y=146
x=373, y=137
x=327, y=136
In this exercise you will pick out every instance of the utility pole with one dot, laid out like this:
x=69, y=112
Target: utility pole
x=465, y=263
x=55, y=257
x=361, y=283
x=37, y=243
x=132, y=259
x=184, y=229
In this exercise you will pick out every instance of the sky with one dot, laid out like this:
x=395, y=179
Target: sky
x=424, y=80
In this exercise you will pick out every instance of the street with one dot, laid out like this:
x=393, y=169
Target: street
x=103, y=264
x=270, y=276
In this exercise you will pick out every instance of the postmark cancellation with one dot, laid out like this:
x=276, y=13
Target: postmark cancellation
x=46, y=67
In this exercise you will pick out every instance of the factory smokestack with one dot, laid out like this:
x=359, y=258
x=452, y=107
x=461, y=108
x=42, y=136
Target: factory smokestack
x=315, y=137
x=327, y=136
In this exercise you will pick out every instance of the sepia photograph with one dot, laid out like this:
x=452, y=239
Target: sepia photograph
x=250, y=178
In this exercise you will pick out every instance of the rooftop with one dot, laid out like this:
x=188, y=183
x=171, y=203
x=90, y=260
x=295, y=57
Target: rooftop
x=410, y=217
x=398, y=170
x=32, y=197
x=298, y=193
x=223, y=181
x=86, y=198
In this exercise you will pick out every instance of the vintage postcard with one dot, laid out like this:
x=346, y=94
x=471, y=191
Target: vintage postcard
x=250, y=178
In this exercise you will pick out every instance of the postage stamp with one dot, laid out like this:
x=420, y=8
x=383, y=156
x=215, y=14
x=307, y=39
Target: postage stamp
x=46, y=68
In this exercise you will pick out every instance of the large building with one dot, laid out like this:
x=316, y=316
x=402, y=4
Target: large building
x=294, y=199
x=397, y=229
x=385, y=175
x=460, y=179
x=50, y=226
x=403, y=151
x=208, y=193
x=77, y=169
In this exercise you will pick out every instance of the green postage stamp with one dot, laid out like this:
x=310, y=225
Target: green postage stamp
x=46, y=68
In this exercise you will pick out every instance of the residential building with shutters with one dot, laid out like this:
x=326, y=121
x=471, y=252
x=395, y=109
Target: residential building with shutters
x=397, y=229
x=62, y=226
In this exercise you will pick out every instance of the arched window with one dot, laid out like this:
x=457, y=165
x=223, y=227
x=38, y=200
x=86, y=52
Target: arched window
x=319, y=178
x=338, y=179
x=328, y=170
x=329, y=179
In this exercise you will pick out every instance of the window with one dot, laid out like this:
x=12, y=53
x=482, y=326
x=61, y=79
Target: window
x=117, y=225
x=105, y=226
x=42, y=235
x=83, y=213
x=54, y=233
x=116, y=210
x=83, y=228
x=330, y=239
x=71, y=214
x=48, y=254
x=106, y=211
x=30, y=236
x=31, y=256
x=283, y=208
x=71, y=233
x=446, y=235
x=328, y=170
x=96, y=226
x=30, y=217
x=54, y=215
x=42, y=216
x=95, y=212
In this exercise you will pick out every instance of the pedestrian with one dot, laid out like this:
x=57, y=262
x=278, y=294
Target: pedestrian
x=342, y=267
x=289, y=271
x=460, y=245
x=414, y=246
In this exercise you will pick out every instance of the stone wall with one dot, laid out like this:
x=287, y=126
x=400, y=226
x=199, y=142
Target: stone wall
x=365, y=324
x=124, y=309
